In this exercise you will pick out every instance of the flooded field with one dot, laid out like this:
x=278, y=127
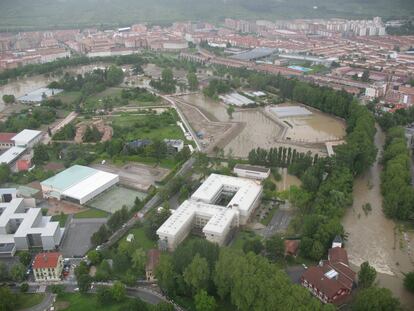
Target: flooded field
x=259, y=129
x=287, y=180
x=318, y=127
x=374, y=238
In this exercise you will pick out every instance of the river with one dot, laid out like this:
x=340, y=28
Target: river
x=373, y=237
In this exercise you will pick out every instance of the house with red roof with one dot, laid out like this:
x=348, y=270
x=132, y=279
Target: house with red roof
x=332, y=280
x=6, y=141
x=48, y=266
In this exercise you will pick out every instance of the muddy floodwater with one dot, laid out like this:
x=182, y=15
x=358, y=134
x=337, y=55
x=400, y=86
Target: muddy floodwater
x=261, y=130
x=374, y=238
x=22, y=86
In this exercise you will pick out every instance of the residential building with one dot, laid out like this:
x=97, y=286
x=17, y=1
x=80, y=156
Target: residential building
x=48, y=267
x=221, y=204
x=174, y=145
x=153, y=259
x=6, y=141
x=332, y=281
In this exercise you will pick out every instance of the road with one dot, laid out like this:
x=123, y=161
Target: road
x=44, y=305
x=69, y=118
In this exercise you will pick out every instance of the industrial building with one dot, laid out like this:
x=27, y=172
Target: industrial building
x=219, y=205
x=27, y=138
x=78, y=184
x=22, y=225
x=38, y=95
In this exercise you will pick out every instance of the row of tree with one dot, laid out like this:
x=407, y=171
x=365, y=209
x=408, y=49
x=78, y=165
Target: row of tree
x=396, y=187
x=297, y=162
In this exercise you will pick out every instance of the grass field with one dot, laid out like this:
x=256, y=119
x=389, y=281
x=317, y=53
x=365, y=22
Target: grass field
x=86, y=302
x=26, y=301
x=91, y=213
x=68, y=97
x=141, y=238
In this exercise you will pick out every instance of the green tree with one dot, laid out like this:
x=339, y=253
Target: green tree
x=409, y=281
x=25, y=258
x=135, y=305
x=197, y=274
x=18, y=272
x=114, y=76
x=275, y=247
x=95, y=257
x=365, y=76
x=24, y=287
x=118, y=291
x=9, y=99
x=366, y=275
x=204, y=302
x=40, y=154
x=139, y=258
x=84, y=283
x=5, y=173
x=192, y=81
x=104, y=295
x=164, y=272
x=4, y=273
x=163, y=306
x=375, y=299
x=254, y=245
x=230, y=111
x=8, y=301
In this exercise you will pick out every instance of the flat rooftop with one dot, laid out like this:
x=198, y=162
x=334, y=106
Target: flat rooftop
x=26, y=135
x=36, y=96
x=69, y=177
x=253, y=168
x=11, y=154
x=290, y=111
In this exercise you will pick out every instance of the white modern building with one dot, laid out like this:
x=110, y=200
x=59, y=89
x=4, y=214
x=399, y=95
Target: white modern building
x=251, y=171
x=22, y=226
x=78, y=184
x=27, y=138
x=208, y=210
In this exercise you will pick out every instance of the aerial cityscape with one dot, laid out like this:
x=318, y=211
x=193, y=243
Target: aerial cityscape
x=207, y=156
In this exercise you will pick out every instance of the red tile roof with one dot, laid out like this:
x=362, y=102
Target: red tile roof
x=338, y=254
x=316, y=276
x=291, y=247
x=23, y=165
x=6, y=137
x=46, y=260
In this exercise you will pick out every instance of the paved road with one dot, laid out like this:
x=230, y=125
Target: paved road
x=44, y=305
x=69, y=118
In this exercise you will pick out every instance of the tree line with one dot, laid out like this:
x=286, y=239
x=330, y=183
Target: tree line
x=201, y=270
x=396, y=185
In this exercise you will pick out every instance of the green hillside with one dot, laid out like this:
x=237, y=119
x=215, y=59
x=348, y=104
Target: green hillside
x=32, y=14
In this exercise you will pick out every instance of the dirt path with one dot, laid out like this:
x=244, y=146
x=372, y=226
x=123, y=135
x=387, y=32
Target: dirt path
x=374, y=238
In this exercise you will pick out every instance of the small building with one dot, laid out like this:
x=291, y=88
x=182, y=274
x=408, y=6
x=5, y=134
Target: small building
x=251, y=171
x=11, y=156
x=137, y=144
x=291, y=247
x=48, y=267
x=6, y=141
x=27, y=138
x=174, y=145
x=78, y=184
x=153, y=259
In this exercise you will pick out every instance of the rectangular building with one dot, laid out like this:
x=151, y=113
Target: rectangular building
x=251, y=171
x=27, y=138
x=78, y=184
x=48, y=267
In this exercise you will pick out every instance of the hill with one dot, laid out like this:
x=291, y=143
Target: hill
x=34, y=14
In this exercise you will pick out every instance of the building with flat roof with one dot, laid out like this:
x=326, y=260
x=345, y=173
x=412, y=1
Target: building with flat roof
x=22, y=226
x=38, y=95
x=27, y=138
x=206, y=212
x=78, y=184
x=251, y=171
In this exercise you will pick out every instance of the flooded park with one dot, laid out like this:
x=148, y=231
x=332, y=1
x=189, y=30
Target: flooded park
x=259, y=128
x=373, y=237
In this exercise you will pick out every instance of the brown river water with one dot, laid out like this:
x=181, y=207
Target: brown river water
x=375, y=238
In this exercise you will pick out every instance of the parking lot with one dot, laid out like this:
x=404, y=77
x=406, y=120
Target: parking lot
x=77, y=239
x=135, y=176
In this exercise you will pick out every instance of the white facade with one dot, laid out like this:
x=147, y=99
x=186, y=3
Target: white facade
x=27, y=138
x=23, y=225
x=202, y=212
x=250, y=171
